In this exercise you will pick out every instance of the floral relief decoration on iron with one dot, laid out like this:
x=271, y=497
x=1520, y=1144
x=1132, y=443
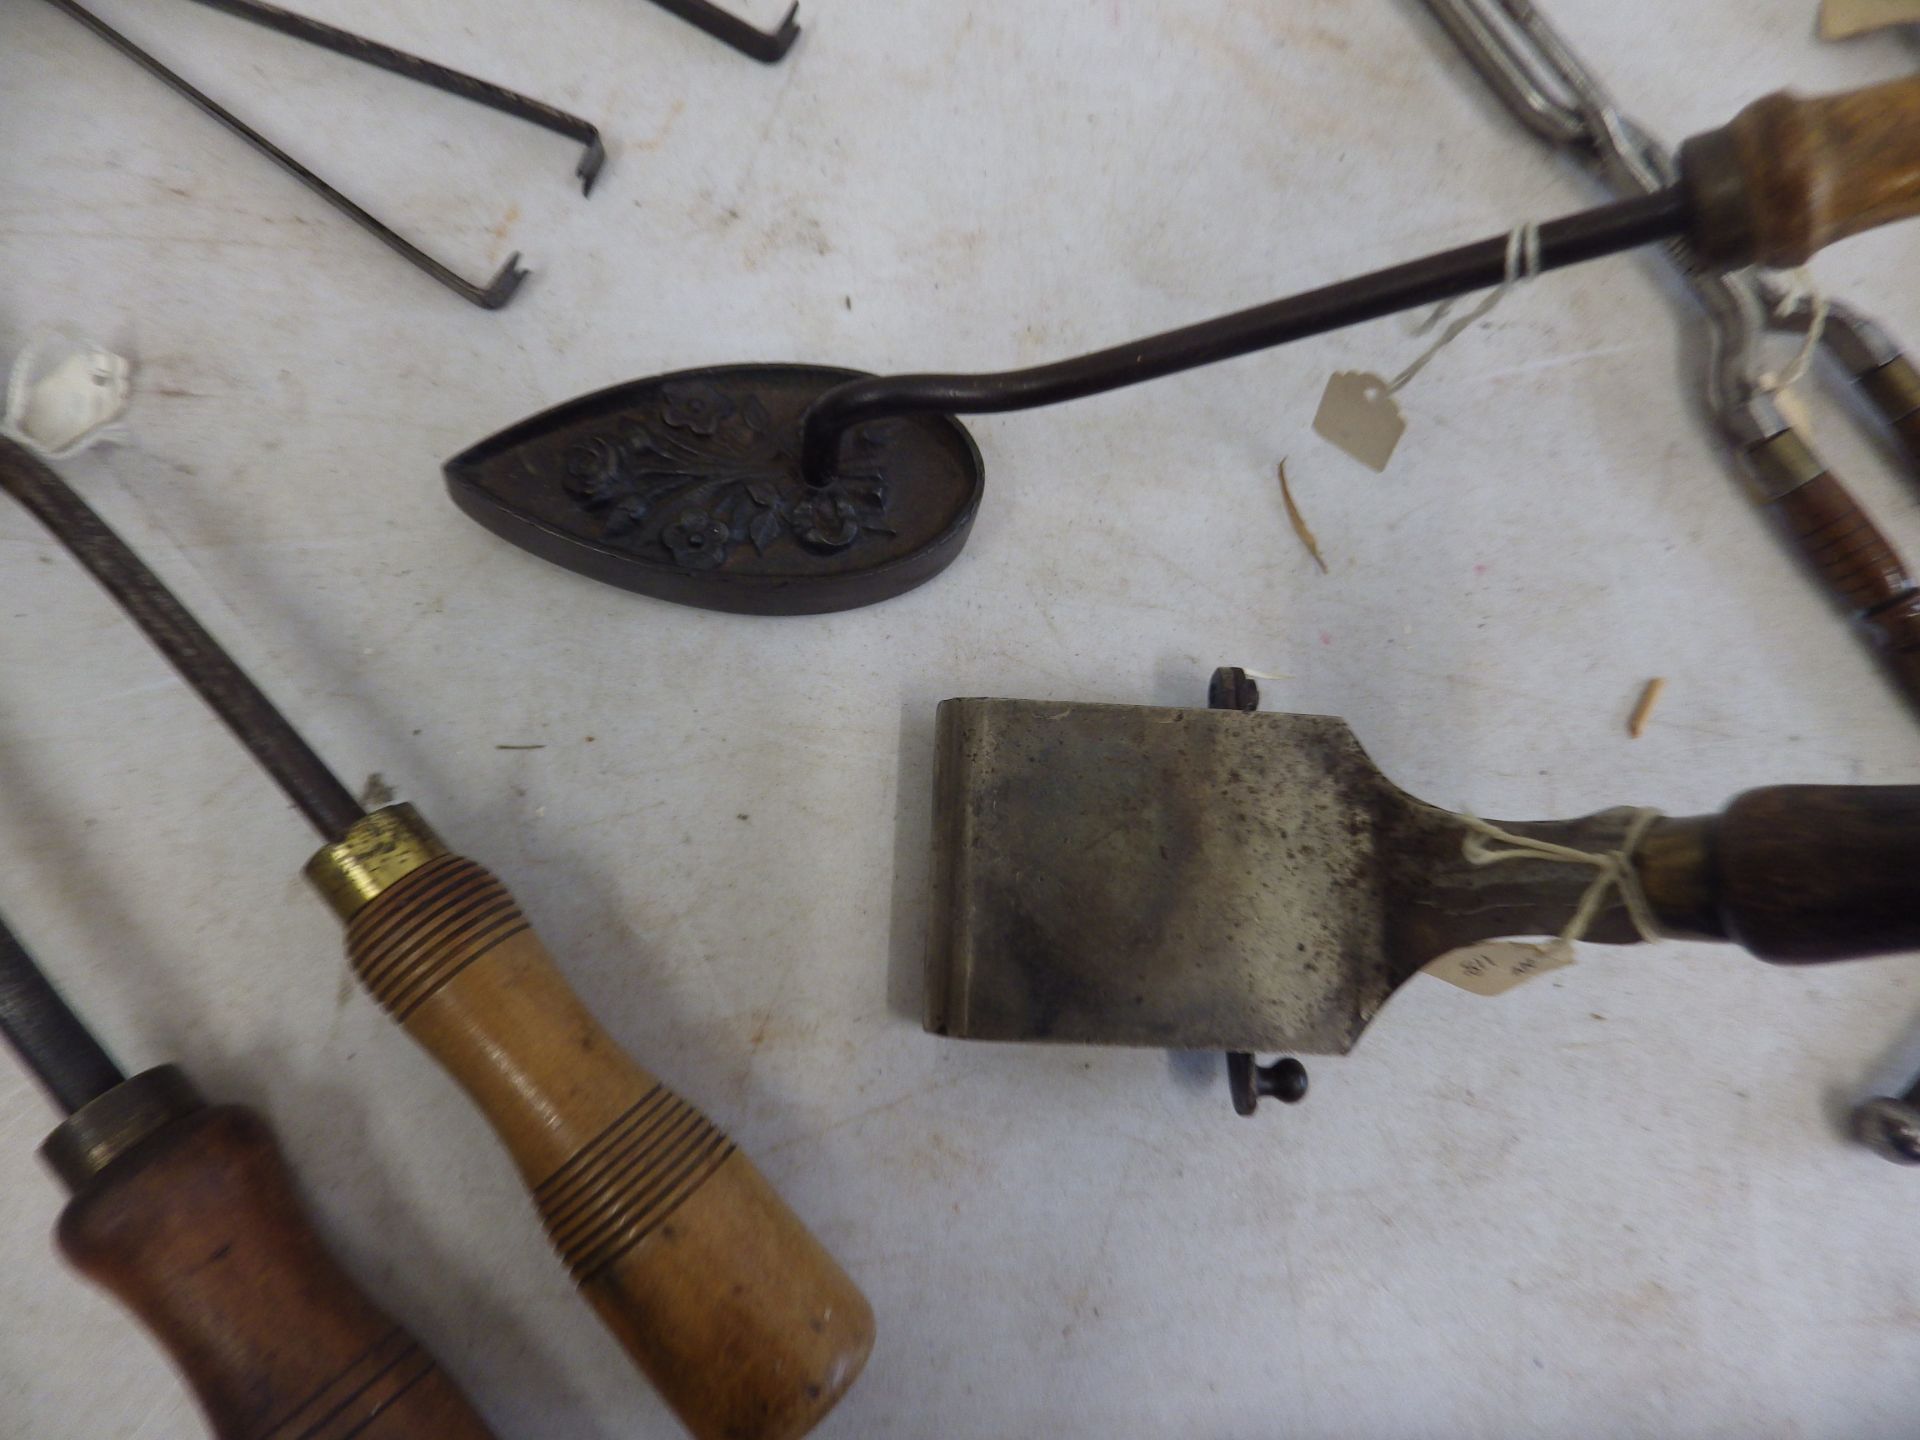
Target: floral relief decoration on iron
x=705, y=474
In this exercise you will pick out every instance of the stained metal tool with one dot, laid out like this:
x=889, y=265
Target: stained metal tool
x=187, y=1213
x=1535, y=72
x=785, y=489
x=744, y=1323
x=766, y=46
x=1224, y=880
x=489, y=296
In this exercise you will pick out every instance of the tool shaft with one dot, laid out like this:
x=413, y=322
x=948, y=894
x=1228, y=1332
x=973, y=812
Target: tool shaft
x=312, y=787
x=1605, y=230
x=51, y=1041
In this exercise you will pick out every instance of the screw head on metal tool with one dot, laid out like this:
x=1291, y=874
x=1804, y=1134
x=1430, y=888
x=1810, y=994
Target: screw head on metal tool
x=1890, y=1126
x=1284, y=1080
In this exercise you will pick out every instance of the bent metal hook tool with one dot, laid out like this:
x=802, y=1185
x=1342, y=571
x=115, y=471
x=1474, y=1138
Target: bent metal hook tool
x=766, y=46
x=489, y=296
x=791, y=489
x=187, y=1213
x=744, y=1323
x=1222, y=879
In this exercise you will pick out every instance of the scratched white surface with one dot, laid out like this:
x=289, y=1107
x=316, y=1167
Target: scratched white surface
x=1614, y=1202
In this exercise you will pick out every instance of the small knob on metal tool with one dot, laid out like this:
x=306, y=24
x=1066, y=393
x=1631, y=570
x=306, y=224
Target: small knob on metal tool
x=1890, y=1125
x=1285, y=1080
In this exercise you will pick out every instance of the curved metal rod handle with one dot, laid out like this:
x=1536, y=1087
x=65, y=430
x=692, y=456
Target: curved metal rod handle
x=1568, y=241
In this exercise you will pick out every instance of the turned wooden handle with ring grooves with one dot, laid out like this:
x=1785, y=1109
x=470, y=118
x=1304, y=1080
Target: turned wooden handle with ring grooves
x=741, y=1319
x=1859, y=567
x=1861, y=570
x=198, y=1231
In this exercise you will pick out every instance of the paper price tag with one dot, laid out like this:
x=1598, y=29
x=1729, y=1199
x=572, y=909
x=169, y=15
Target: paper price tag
x=1496, y=966
x=1358, y=415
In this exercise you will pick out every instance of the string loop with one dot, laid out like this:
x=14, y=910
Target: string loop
x=1614, y=867
x=1523, y=264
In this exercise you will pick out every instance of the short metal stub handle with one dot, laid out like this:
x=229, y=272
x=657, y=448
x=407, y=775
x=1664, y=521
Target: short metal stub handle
x=1286, y=1079
x=1889, y=1125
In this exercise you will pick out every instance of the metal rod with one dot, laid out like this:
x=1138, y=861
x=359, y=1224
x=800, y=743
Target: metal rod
x=312, y=787
x=491, y=296
x=51, y=1041
x=1568, y=241
x=426, y=72
x=763, y=45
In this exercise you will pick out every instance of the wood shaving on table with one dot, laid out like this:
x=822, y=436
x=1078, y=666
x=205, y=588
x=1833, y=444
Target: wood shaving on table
x=1299, y=521
x=1649, y=697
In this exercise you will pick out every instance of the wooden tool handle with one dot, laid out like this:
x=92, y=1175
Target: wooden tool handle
x=198, y=1231
x=1860, y=569
x=1788, y=176
x=1820, y=872
x=746, y=1325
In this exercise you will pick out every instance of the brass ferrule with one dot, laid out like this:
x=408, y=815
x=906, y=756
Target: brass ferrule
x=1722, y=232
x=109, y=1125
x=1895, y=388
x=376, y=852
x=1780, y=465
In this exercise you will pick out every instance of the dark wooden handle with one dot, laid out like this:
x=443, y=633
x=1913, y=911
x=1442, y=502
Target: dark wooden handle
x=1820, y=872
x=1800, y=174
x=199, y=1232
x=742, y=1320
x=1860, y=569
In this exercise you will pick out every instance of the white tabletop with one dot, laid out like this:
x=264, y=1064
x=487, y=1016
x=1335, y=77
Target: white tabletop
x=1616, y=1201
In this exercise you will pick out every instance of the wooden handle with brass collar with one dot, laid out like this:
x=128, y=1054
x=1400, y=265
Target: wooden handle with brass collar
x=187, y=1214
x=1789, y=176
x=742, y=1320
x=1854, y=561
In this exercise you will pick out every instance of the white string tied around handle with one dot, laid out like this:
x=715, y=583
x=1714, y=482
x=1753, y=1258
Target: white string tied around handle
x=1523, y=264
x=1799, y=285
x=1615, y=869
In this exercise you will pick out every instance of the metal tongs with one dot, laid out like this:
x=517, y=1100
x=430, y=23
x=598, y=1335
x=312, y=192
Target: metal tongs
x=1530, y=66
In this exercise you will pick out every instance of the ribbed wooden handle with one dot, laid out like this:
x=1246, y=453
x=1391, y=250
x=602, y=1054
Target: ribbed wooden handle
x=744, y=1323
x=1819, y=170
x=1820, y=872
x=1860, y=569
x=198, y=1231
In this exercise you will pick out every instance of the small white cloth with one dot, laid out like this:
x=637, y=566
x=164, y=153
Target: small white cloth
x=59, y=411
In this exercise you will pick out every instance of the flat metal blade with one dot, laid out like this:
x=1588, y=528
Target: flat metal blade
x=1131, y=875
